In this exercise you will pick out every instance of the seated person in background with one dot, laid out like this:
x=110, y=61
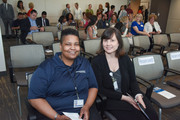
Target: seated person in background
x=29, y=26
x=152, y=27
x=115, y=74
x=70, y=19
x=16, y=23
x=62, y=22
x=126, y=26
x=42, y=21
x=106, y=23
x=62, y=81
x=113, y=20
x=137, y=26
x=91, y=29
x=84, y=21
x=99, y=22
x=89, y=10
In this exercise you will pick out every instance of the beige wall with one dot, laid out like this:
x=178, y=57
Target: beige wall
x=173, y=24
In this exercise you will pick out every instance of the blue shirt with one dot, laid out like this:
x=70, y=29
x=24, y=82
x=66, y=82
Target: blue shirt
x=139, y=26
x=33, y=23
x=53, y=81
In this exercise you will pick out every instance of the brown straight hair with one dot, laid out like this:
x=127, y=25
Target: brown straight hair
x=108, y=34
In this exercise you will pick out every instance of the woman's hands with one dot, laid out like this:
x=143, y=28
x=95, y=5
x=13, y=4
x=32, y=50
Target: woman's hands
x=131, y=101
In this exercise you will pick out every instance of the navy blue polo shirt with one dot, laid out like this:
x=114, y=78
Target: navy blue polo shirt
x=139, y=26
x=53, y=81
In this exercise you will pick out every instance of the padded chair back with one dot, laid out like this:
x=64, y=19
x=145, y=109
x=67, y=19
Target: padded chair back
x=66, y=26
x=173, y=60
x=53, y=29
x=141, y=41
x=44, y=38
x=175, y=37
x=161, y=39
x=100, y=32
x=26, y=55
x=126, y=44
x=56, y=48
x=149, y=67
x=82, y=35
x=92, y=46
x=59, y=35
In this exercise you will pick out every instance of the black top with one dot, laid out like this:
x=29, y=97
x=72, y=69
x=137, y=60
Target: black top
x=117, y=77
x=105, y=84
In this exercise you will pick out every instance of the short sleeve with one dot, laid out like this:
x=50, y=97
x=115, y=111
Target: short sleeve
x=133, y=24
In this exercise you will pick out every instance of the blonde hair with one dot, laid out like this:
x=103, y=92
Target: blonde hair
x=124, y=19
x=138, y=15
x=31, y=5
x=151, y=16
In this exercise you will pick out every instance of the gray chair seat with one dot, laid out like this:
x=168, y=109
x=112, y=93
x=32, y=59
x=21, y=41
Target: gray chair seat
x=164, y=102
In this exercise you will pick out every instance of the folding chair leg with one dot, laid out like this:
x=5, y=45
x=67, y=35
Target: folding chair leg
x=19, y=101
x=160, y=113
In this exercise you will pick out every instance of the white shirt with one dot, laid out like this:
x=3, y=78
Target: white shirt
x=6, y=6
x=148, y=27
x=77, y=13
x=43, y=22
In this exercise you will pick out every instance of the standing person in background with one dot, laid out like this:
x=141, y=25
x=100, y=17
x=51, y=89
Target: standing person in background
x=111, y=12
x=77, y=14
x=42, y=21
x=67, y=10
x=100, y=10
x=91, y=29
x=122, y=12
x=137, y=27
x=31, y=7
x=106, y=10
x=20, y=8
x=7, y=15
x=89, y=10
x=129, y=10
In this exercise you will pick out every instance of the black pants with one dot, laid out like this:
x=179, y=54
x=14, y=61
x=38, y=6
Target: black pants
x=94, y=115
x=135, y=114
x=7, y=23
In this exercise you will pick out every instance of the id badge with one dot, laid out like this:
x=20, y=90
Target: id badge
x=78, y=103
x=115, y=85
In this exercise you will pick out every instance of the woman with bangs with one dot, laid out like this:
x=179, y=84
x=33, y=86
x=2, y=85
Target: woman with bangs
x=116, y=79
x=137, y=26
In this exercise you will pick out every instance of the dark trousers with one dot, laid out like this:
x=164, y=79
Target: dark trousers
x=94, y=114
x=135, y=114
x=7, y=23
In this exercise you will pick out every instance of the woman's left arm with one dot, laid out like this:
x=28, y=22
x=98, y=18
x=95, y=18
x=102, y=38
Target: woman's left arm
x=90, y=100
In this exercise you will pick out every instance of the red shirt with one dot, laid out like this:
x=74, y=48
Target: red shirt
x=28, y=14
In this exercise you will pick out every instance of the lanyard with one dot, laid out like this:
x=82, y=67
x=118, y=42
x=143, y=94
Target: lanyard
x=75, y=86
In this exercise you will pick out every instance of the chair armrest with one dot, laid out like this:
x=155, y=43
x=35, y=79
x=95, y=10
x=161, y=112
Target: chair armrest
x=172, y=71
x=176, y=43
x=31, y=111
x=149, y=87
x=138, y=47
x=11, y=72
x=161, y=48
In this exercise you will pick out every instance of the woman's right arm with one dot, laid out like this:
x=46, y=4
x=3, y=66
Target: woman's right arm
x=140, y=32
x=43, y=107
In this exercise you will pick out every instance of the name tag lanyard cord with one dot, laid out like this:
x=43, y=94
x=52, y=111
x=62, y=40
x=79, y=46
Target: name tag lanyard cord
x=75, y=86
